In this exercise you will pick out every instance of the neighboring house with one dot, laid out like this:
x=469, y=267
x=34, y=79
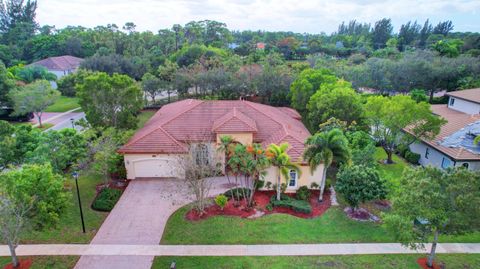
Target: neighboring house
x=61, y=65
x=154, y=151
x=454, y=145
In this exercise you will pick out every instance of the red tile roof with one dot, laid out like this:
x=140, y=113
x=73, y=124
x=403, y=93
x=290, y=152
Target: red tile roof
x=234, y=122
x=194, y=120
x=60, y=63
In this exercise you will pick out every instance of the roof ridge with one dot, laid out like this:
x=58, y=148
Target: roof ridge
x=284, y=125
x=162, y=124
x=171, y=137
x=235, y=115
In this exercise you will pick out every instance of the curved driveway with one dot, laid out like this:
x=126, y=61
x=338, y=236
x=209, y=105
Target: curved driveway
x=139, y=218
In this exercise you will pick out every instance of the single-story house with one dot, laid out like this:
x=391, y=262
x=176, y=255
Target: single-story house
x=454, y=145
x=154, y=150
x=61, y=65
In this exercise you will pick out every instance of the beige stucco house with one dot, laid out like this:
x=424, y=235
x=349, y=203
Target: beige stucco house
x=155, y=150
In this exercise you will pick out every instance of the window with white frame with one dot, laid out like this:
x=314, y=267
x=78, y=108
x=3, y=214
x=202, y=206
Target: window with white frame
x=293, y=178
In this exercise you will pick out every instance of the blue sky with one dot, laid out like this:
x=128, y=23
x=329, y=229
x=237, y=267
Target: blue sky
x=288, y=15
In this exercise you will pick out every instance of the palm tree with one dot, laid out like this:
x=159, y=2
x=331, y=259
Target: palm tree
x=279, y=158
x=326, y=148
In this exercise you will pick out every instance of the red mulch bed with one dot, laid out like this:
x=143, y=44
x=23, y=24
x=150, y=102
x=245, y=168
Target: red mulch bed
x=423, y=263
x=24, y=264
x=262, y=198
x=229, y=210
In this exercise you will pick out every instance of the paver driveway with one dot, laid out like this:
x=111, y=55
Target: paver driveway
x=139, y=218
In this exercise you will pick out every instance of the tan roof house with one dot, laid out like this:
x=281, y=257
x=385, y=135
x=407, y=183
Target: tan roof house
x=154, y=150
x=454, y=145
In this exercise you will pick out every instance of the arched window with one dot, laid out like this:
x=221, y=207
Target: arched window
x=465, y=165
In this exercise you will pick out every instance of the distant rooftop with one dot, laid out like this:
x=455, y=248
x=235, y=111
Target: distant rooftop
x=472, y=95
x=60, y=63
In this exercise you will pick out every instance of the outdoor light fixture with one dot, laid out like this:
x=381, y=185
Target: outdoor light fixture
x=75, y=176
x=73, y=123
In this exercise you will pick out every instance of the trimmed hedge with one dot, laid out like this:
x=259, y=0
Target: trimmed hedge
x=412, y=157
x=300, y=206
x=106, y=199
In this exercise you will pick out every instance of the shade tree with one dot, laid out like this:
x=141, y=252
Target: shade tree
x=334, y=100
x=110, y=101
x=430, y=202
x=34, y=97
x=390, y=117
x=37, y=184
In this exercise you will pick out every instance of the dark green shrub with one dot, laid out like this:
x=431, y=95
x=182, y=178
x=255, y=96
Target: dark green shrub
x=106, y=199
x=259, y=184
x=237, y=193
x=269, y=207
x=412, y=157
x=300, y=206
x=314, y=185
x=268, y=185
x=402, y=149
x=303, y=193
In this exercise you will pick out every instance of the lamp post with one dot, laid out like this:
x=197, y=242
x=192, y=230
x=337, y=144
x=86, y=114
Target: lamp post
x=75, y=176
x=73, y=123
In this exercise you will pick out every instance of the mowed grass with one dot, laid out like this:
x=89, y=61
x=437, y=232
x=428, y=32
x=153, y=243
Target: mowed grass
x=63, y=104
x=42, y=262
x=391, y=261
x=69, y=229
x=332, y=227
x=390, y=172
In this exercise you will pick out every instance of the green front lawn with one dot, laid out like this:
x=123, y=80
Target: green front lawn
x=63, y=104
x=42, y=262
x=69, y=229
x=392, y=261
x=390, y=172
x=332, y=227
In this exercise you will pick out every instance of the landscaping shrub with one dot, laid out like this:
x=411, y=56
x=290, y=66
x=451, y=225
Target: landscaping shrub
x=300, y=206
x=303, y=193
x=358, y=184
x=259, y=184
x=221, y=200
x=237, y=193
x=314, y=185
x=106, y=199
x=402, y=149
x=268, y=185
x=412, y=157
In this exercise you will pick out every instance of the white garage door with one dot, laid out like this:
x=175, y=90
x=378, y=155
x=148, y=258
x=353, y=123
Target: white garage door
x=155, y=168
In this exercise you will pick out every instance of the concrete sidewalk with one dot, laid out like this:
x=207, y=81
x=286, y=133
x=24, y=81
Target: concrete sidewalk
x=231, y=250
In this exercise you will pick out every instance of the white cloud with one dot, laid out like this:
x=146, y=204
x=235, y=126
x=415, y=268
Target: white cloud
x=288, y=15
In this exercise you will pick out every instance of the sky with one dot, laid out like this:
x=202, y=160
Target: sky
x=311, y=16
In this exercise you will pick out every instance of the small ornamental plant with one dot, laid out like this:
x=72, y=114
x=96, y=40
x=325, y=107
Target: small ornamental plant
x=221, y=200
